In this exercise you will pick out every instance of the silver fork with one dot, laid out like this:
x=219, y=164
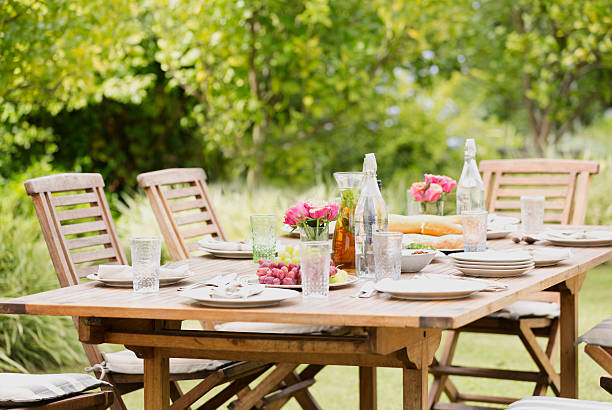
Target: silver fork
x=217, y=281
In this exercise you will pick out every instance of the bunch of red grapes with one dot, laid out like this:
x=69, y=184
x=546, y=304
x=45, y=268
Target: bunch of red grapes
x=279, y=273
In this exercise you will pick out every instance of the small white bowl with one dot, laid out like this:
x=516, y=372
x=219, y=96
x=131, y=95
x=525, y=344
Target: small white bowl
x=412, y=262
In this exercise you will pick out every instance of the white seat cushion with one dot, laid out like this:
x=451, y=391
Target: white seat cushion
x=126, y=362
x=20, y=389
x=286, y=328
x=527, y=308
x=557, y=403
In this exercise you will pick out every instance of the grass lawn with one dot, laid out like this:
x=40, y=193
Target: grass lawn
x=337, y=386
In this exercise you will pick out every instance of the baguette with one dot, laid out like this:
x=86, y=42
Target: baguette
x=426, y=224
x=436, y=242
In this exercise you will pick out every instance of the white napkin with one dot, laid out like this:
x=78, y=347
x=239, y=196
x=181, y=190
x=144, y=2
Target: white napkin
x=212, y=243
x=181, y=270
x=114, y=271
x=547, y=253
x=235, y=290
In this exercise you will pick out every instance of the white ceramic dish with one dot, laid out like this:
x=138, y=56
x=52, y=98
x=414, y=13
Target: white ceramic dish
x=493, y=256
x=550, y=256
x=595, y=238
x=429, y=288
x=500, y=220
x=412, y=262
x=478, y=263
x=228, y=254
x=492, y=266
x=269, y=297
x=495, y=273
x=498, y=234
x=128, y=283
x=349, y=281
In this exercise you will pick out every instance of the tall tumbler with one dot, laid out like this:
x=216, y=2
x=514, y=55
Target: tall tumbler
x=146, y=255
x=474, y=231
x=532, y=214
x=263, y=233
x=387, y=255
x=315, y=260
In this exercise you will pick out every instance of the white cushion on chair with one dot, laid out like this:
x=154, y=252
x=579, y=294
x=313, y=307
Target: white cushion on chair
x=557, y=403
x=19, y=389
x=526, y=308
x=126, y=362
x=285, y=328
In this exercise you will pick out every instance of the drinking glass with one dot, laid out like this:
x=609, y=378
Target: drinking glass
x=532, y=214
x=387, y=255
x=474, y=231
x=263, y=231
x=315, y=258
x=146, y=254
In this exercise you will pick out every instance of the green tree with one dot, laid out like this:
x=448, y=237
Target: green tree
x=546, y=64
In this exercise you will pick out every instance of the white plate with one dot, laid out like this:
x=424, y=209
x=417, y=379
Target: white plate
x=498, y=234
x=493, y=256
x=494, y=273
x=269, y=297
x=493, y=266
x=228, y=254
x=598, y=238
x=429, y=288
x=349, y=281
x=500, y=220
x=128, y=283
x=550, y=256
x=487, y=264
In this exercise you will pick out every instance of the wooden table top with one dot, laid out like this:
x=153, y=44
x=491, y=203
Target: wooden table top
x=95, y=300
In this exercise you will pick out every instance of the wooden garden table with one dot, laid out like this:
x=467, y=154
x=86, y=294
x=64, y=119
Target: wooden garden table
x=396, y=333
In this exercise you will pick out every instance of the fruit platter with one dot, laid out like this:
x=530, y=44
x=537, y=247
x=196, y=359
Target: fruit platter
x=284, y=271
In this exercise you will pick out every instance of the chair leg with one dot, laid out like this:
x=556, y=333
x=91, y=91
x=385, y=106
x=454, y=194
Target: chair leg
x=302, y=381
x=552, y=347
x=238, y=387
x=539, y=356
x=265, y=386
x=442, y=383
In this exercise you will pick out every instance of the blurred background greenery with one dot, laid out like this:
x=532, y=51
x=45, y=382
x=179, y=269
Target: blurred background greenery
x=270, y=97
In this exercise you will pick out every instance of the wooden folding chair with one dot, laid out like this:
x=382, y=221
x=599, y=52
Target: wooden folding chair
x=599, y=347
x=98, y=400
x=79, y=231
x=565, y=185
x=184, y=211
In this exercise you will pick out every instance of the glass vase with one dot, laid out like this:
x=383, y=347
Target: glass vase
x=310, y=233
x=432, y=208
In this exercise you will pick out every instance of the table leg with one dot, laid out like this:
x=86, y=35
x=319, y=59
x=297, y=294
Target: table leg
x=415, y=388
x=156, y=381
x=367, y=388
x=569, y=333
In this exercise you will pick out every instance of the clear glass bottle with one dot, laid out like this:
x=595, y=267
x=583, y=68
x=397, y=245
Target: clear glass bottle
x=470, y=189
x=370, y=216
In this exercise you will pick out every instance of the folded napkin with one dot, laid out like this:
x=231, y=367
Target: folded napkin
x=114, y=271
x=181, y=270
x=213, y=243
x=550, y=253
x=235, y=290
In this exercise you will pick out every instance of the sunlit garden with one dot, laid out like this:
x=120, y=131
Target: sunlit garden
x=271, y=98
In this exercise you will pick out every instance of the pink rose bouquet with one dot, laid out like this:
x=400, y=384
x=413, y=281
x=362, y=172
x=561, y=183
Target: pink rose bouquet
x=313, y=217
x=433, y=188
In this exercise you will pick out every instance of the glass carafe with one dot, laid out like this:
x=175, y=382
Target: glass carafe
x=343, y=243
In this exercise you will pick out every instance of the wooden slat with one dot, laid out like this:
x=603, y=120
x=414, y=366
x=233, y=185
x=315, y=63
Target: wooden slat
x=518, y=375
x=192, y=218
x=538, y=165
x=88, y=241
x=63, y=183
x=539, y=180
x=514, y=204
x=170, y=176
x=192, y=246
x=200, y=231
x=181, y=192
x=187, y=205
x=80, y=213
x=545, y=192
x=84, y=227
x=76, y=199
x=90, y=256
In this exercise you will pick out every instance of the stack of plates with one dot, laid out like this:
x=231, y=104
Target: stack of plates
x=494, y=264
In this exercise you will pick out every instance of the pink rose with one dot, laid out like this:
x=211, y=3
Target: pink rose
x=295, y=214
x=433, y=193
x=448, y=184
x=432, y=179
x=332, y=211
x=416, y=190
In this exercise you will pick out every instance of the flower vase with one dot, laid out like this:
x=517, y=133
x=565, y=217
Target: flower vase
x=432, y=208
x=310, y=233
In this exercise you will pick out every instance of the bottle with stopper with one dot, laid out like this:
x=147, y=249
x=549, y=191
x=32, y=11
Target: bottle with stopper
x=470, y=189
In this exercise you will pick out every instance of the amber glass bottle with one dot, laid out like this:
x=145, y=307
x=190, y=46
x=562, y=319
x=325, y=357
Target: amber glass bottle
x=343, y=242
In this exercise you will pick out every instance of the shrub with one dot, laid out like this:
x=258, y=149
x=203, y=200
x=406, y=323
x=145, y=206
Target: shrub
x=29, y=342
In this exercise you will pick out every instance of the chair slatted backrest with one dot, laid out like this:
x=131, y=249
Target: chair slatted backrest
x=76, y=223
x=183, y=208
x=78, y=228
x=564, y=183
